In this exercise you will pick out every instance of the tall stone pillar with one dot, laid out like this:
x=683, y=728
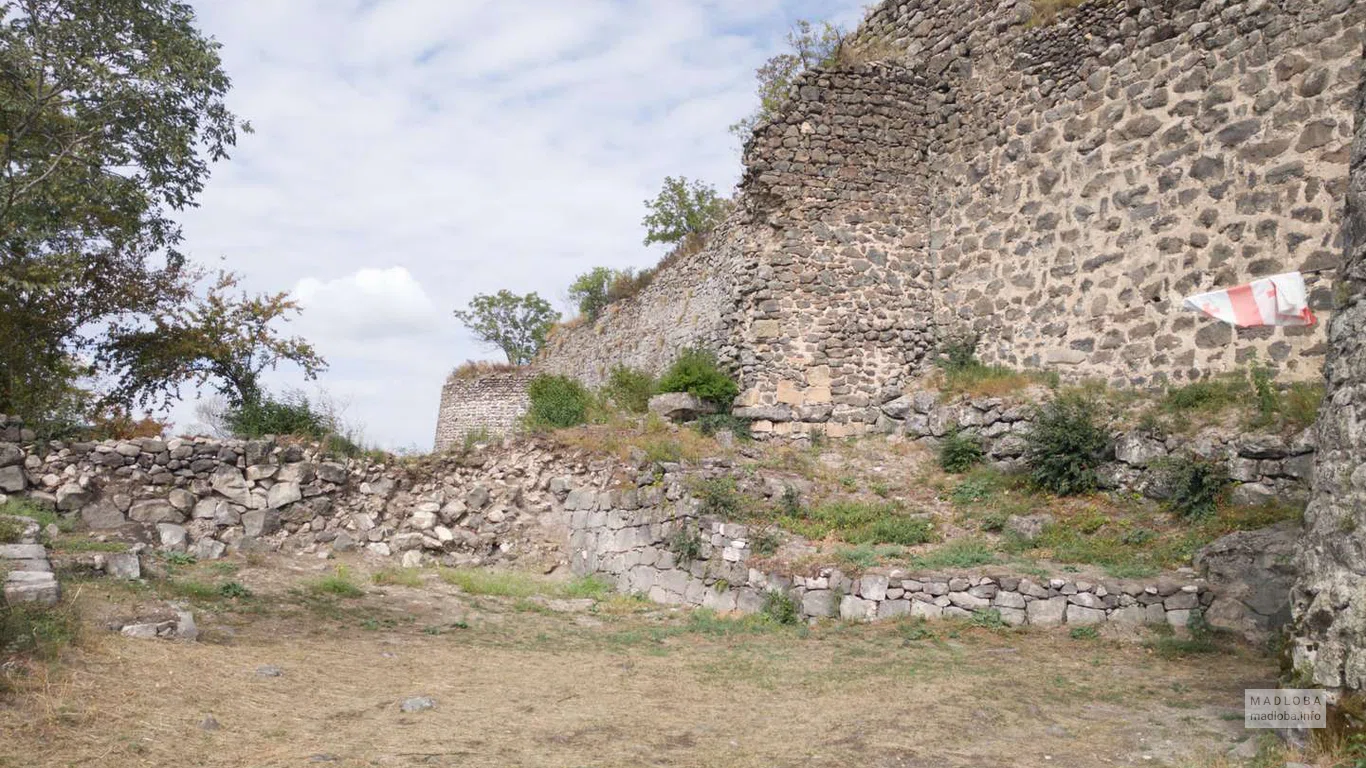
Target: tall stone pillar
x=1330, y=597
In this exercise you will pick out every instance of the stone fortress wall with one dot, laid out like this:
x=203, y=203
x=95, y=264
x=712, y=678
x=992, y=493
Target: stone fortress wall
x=486, y=402
x=1330, y=597
x=1056, y=188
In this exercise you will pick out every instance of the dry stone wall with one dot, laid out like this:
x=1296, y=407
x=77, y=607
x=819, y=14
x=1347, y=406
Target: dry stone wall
x=1264, y=466
x=490, y=403
x=632, y=536
x=533, y=504
x=1330, y=596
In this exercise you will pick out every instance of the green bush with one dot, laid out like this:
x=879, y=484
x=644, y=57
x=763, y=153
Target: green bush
x=629, y=389
x=718, y=422
x=1196, y=486
x=781, y=608
x=288, y=414
x=719, y=497
x=959, y=352
x=685, y=543
x=557, y=402
x=697, y=373
x=959, y=452
x=1067, y=442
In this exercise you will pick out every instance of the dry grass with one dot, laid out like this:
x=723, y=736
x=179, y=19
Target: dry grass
x=628, y=437
x=473, y=369
x=1046, y=11
x=632, y=686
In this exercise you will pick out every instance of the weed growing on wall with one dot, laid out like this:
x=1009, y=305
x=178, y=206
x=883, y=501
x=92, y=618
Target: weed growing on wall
x=1196, y=486
x=697, y=373
x=959, y=451
x=629, y=389
x=1067, y=442
x=781, y=608
x=557, y=402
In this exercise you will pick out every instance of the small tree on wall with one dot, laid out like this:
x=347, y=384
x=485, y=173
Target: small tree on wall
x=515, y=324
x=683, y=209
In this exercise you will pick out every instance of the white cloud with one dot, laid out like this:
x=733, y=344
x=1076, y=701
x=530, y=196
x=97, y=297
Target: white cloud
x=370, y=304
x=478, y=145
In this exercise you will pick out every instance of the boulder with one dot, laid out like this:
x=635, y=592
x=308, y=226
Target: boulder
x=283, y=494
x=680, y=406
x=12, y=479
x=228, y=482
x=1028, y=527
x=71, y=496
x=152, y=511
x=102, y=515
x=1253, y=572
x=172, y=536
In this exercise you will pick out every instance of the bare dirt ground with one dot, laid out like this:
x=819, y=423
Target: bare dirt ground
x=528, y=681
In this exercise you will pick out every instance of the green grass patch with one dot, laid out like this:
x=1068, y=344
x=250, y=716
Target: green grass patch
x=496, y=583
x=959, y=553
x=34, y=511
x=11, y=530
x=39, y=631
x=83, y=544
x=339, y=584
x=407, y=577
x=594, y=587
x=857, y=522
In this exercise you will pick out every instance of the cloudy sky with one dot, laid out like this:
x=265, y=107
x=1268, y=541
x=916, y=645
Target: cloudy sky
x=409, y=154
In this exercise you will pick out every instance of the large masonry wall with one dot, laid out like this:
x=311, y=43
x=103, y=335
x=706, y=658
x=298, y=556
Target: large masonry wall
x=1133, y=153
x=1330, y=597
x=1056, y=188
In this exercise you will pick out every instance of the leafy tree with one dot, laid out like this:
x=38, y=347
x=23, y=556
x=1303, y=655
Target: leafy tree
x=225, y=338
x=812, y=45
x=683, y=209
x=515, y=324
x=590, y=290
x=110, y=113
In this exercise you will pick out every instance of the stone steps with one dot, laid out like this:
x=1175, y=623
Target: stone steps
x=27, y=571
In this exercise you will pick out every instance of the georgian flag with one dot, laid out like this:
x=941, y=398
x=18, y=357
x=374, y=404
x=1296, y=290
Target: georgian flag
x=1275, y=300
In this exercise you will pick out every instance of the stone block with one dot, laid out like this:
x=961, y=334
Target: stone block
x=1047, y=613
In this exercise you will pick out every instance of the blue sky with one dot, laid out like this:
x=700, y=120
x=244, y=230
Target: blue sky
x=409, y=154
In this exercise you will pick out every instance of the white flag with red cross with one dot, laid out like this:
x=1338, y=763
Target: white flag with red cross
x=1275, y=300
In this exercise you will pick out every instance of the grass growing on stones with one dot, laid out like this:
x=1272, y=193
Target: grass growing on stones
x=11, y=530
x=959, y=553
x=77, y=543
x=495, y=583
x=37, y=512
x=859, y=522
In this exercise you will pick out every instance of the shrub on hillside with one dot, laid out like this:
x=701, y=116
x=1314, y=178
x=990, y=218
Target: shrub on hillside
x=1194, y=486
x=629, y=389
x=1066, y=444
x=291, y=413
x=959, y=452
x=697, y=373
x=557, y=402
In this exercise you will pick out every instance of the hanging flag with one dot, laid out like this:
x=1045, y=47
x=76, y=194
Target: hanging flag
x=1275, y=300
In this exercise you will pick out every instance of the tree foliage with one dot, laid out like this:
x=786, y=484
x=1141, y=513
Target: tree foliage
x=110, y=113
x=683, y=209
x=810, y=45
x=226, y=338
x=591, y=291
x=515, y=324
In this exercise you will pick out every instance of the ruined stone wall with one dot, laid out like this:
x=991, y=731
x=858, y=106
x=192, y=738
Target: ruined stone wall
x=685, y=305
x=492, y=402
x=1128, y=154
x=1330, y=597
x=837, y=313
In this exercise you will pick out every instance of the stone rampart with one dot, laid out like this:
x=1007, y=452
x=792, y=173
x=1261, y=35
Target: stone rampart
x=1056, y=187
x=490, y=403
x=1330, y=596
